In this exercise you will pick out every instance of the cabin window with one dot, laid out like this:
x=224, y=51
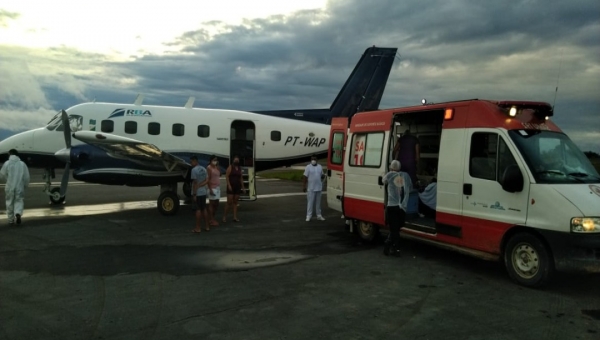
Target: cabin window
x=178, y=130
x=367, y=149
x=107, y=126
x=130, y=127
x=337, y=148
x=154, y=129
x=203, y=131
x=275, y=136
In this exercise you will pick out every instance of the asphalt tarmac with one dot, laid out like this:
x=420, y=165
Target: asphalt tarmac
x=107, y=265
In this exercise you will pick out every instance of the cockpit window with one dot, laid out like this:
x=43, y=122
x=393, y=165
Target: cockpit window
x=75, y=122
x=54, y=122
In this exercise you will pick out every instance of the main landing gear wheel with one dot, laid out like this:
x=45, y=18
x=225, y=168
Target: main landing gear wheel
x=367, y=231
x=528, y=261
x=187, y=189
x=55, y=197
x=168, y=203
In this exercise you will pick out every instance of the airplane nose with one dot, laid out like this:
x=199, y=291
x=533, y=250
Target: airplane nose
x=63, y=155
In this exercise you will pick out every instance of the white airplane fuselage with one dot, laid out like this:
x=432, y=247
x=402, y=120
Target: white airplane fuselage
x=179, y=131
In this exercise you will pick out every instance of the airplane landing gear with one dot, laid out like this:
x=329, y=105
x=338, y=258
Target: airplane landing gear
x=168, y=200
x=54, y=193
x=187, y=189
x=55, y=197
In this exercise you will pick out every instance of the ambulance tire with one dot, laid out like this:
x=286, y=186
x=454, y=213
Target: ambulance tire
x=367, y=231
x=168, y=203
x=528, y=261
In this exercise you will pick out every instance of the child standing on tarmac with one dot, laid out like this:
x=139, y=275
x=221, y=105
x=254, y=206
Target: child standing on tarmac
x=200, y=179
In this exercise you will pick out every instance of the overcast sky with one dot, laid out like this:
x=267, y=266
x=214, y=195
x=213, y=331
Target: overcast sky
x=271, y=54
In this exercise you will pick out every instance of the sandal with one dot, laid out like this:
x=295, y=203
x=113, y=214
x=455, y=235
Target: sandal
x=235, y=220
x=207, y=229
x=196, y=231
x=224, y=221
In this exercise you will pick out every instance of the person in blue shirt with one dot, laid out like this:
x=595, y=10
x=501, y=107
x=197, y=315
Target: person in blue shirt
x=398, y=184
x=199, y=191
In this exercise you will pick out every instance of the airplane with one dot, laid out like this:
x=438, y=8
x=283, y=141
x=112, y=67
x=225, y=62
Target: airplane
x=142, y=145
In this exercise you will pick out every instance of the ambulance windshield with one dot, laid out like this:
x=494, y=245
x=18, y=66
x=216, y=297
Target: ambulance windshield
x=553, y=158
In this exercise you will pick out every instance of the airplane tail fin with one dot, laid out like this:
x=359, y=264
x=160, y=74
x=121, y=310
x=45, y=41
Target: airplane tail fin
x=361, y=92
x=364, y=88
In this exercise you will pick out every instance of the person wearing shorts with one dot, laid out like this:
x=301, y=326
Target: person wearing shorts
x=235, y=186
x=200, y=181
x=214, y=189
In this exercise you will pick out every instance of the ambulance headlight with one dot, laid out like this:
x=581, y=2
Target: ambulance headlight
x=585, y=224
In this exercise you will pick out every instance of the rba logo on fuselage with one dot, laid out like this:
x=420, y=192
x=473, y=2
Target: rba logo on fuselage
x=130, y=113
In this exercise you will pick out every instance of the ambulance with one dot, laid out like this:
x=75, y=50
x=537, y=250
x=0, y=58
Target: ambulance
x=511, y=186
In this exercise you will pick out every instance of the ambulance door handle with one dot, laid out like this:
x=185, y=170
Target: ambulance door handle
x=328, y=173
x=467, y=189
x=380, y=180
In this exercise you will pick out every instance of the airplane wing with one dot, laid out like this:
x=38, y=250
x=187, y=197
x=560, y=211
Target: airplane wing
x=131, y=149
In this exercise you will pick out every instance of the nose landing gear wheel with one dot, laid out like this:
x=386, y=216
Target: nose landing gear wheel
x=55, y=197
x=168, y=203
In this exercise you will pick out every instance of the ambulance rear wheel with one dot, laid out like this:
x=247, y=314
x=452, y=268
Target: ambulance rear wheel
x=55, y=197
x=367, y=231
x=528, y=261
x=168, y=203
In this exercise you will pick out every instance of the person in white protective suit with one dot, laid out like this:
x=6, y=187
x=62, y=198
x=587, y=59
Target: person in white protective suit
x=16, y=175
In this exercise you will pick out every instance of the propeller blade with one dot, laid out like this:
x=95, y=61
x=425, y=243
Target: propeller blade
x=65, y=180
x=66, y=128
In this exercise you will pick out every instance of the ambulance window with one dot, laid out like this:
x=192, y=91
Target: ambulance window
x=107, y=126
x=154, y=129
x=482, y=161
x=367, y=149
x=178, y=130
x=337, y=148
x=203, y=131
x=275, y=136
x=130, y=127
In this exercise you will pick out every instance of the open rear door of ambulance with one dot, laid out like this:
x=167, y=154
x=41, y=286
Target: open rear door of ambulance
x=335, y=163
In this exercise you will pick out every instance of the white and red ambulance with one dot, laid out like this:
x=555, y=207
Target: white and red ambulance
x=510, y=185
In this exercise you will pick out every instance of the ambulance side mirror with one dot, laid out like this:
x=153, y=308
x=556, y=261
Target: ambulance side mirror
x=512, y=179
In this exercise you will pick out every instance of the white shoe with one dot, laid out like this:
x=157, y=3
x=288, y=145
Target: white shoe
x=320, y=218
x=307, y=218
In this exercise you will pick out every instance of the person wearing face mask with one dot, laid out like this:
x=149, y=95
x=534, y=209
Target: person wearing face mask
x=235, y=186
x=313, y=185
x=398, y=186
x=214, y=189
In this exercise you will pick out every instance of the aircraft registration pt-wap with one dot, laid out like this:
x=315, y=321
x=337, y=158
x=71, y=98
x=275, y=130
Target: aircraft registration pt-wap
x=140, y=145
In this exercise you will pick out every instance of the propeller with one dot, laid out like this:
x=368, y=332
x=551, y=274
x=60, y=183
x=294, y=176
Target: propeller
x=66, y=153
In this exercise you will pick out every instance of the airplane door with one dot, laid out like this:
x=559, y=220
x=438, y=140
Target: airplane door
x=243, y=144
x=335, y=163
